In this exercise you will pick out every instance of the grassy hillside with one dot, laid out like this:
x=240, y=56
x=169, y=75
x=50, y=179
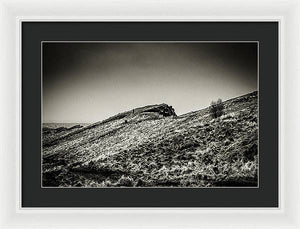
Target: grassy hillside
x=152, y=146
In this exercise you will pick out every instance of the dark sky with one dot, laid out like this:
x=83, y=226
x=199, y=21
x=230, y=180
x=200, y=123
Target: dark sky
x=88, y=82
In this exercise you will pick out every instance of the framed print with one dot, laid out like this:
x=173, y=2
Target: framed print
x=49, y=48
x=150, y=114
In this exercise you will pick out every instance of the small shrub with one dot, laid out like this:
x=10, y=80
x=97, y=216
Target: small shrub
x=216, y=109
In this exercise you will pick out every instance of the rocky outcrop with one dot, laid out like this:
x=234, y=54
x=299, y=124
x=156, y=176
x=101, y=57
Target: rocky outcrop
x=162, y=109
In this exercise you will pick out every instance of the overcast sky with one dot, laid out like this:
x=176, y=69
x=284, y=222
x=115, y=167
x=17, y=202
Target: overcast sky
x=89, y=82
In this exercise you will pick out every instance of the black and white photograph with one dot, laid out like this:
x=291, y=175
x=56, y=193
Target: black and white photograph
x=149, y=114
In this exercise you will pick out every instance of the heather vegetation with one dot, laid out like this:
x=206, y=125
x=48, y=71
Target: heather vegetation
x=153, y=147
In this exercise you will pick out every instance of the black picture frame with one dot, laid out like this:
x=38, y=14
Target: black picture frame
x=265, y=33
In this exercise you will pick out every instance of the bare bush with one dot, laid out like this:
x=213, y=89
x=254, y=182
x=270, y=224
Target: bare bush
x=216, y=108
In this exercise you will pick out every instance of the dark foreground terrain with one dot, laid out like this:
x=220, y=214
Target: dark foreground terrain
x=153, y=147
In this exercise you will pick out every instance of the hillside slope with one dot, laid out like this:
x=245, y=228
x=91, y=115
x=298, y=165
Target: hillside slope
x=153, y=147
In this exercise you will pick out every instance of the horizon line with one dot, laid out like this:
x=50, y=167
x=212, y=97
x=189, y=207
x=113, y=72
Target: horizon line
x=85, y=122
